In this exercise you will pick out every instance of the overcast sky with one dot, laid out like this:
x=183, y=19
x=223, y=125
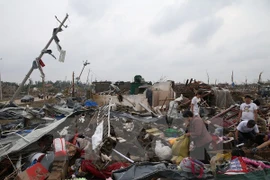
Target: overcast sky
x=176, y=39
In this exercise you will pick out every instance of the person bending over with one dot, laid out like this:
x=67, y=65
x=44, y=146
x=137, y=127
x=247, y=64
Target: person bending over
x=246, y=130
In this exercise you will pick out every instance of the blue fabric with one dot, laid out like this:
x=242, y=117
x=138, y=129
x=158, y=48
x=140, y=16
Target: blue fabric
x=33, y=163
x=89, y=103
x=58, y=117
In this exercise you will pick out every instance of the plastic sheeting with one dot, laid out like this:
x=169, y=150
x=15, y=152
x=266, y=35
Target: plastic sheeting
x=32, y=137
x=223, y=98
x=12, y=113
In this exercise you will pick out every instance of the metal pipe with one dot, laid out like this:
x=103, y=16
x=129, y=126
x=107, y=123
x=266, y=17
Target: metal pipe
x=39, y=57
x=120, y=154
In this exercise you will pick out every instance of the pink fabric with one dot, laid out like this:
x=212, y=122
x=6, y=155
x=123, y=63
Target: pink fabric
x=237, y=165
x=256, y=163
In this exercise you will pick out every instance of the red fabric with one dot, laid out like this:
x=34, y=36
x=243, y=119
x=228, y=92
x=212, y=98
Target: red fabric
x=41, y=63
x=193, y=169
x=88, y=166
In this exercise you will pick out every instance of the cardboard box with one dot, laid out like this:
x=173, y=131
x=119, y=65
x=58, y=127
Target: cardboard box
x=35, y=172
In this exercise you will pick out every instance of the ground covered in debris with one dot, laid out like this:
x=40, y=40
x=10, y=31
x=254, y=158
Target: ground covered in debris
x=116, y=136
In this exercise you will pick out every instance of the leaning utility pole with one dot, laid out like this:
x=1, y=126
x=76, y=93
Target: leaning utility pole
x=84, y=64
x=37, y=59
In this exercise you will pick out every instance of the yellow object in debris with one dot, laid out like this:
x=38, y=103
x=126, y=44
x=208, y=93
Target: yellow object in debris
x=152, y=130
x=219, y=159
x=226, y=156
x=172, y=141
x=180, y=149
x=177, y=159
x=181, y=146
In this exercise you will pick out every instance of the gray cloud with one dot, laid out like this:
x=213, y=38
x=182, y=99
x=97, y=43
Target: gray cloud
x=244, y=50
x=90, y=9
x=179, y=13
x=205, y=30
x=125, y=38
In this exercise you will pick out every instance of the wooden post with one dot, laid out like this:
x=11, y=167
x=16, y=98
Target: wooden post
x=73, y=92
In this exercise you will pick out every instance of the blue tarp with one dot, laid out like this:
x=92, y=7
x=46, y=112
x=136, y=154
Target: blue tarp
x=89, y=103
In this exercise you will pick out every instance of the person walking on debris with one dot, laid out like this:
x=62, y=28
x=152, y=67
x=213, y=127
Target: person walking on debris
x=246, y=130
x=200, y=136
x=248, y=110
x=195, y=109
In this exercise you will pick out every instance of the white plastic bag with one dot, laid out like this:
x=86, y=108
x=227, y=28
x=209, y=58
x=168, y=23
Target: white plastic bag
x=162, y=151
x=97, y=137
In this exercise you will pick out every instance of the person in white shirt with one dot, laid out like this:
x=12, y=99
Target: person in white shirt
x=246, y=130
x=195, y=109
x=248, y=110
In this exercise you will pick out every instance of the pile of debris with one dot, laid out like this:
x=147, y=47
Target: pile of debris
x=126, y=138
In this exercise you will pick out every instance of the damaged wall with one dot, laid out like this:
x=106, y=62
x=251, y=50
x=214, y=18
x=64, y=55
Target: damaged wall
x=161, y=91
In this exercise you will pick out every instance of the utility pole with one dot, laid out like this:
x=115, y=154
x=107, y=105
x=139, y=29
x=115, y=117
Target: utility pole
x=38, y=58
x=73, y=91
x=91, y=78
x=84, y=64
